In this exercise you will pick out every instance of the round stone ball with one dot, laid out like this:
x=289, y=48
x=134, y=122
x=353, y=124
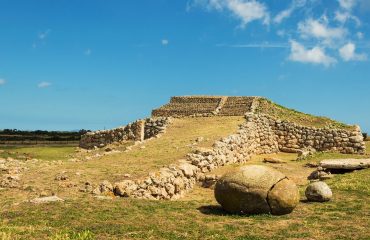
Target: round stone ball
x=256, y=189
x=318, y=192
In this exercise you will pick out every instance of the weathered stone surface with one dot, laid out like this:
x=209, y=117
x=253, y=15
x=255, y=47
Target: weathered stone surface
x=283, y=197
x=188, y=169
x=290, y=150
x=246, y=191
x=273, y=160
x=346, y=164
x=46, y=200
x=319, y=175
x=318, y=192
x=137, y=131
x=125, y=188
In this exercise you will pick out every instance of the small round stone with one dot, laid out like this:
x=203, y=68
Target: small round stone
x=318, y=192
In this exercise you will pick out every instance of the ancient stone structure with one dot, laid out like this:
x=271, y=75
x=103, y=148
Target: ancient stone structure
x=260, y=134
x=136, y=131
x=205, y=106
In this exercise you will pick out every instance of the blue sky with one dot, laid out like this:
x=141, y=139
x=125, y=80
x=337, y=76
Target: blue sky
x=94, y=64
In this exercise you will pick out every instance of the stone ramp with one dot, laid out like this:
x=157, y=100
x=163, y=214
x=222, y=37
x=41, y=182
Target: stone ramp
x=205, y=106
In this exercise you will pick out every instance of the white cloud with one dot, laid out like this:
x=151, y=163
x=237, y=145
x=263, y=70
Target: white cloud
x=343, y=17
x=165, y=42
x=345, y=13
x=44, y=84
x=348, y=53
x=2, y=81
x=319, y=29
x=282, y=15
x=287, y=12
x=347, y=4
x=244, y=10
x=315, y=55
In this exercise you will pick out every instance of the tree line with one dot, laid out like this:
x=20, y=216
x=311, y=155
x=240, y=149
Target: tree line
x=40, y=135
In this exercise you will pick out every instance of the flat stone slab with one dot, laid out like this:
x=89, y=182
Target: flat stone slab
x=346, y=164
x=46, y=199
x=273, y=160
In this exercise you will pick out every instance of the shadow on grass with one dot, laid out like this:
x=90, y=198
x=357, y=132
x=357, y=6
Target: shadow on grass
x=213, y=210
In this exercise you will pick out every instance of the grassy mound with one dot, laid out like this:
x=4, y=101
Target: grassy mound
x=280, y=112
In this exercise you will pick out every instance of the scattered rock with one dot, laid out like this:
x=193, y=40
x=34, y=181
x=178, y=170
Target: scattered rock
x=61, y=177
x=273, y=160
x=46, y=200
x=10, y=181
x=108, y=149
x=251, y=190
x=87, y=188
x=199, y=139
x=305, y=153
x=311, y=165
x=105, y=187
x=318, y=192
x=319, y=175
x=43, y=194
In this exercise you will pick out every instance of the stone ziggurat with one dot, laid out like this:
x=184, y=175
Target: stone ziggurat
x=261, y=133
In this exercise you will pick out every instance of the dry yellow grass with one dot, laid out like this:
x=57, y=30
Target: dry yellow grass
x=197, y=216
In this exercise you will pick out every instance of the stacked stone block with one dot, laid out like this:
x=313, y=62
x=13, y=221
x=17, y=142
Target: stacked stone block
x=237, y=106
x=136, y=131
x=189, y=106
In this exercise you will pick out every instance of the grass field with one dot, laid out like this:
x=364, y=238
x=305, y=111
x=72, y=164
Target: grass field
x=196, y=216
x=46, y=153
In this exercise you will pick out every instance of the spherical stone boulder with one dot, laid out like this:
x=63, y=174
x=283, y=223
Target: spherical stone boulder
x=318, y=192
x=256, y=189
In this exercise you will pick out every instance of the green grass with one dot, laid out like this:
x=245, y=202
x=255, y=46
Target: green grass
x=280, y=112
x=178, y=141
x=44, y=153
x=196, y=216
x=193, y=219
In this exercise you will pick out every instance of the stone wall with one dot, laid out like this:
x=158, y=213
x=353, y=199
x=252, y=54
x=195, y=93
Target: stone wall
x=136, y=131
x=260, y=134
x=189, y=106
x=291, y=135
x=205, y=106
x=253, y=137
x=236, y=106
